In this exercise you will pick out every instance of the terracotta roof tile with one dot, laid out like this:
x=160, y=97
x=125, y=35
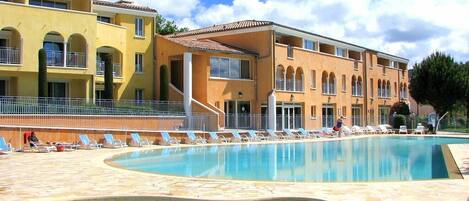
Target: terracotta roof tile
x=208, y=45
x=224, y=27
x=125, y=5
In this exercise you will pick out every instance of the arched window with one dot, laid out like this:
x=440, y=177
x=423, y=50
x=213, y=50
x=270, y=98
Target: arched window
x=332, y=83
x=388, y=89
x=280, y=78
x=325, y=82
x=290, y=78
x=76, y=51
x=10, y=48
x=383, y=88
x=359, y=86
x=299, y=78
x=379, y=88
x=354, y=86
x=54, y=46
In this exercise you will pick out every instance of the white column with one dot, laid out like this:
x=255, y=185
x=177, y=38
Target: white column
x=188, y=86
x=272, y=104
x=65, y=54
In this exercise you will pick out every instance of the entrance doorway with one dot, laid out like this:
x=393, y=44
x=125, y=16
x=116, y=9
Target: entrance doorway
x=289, y=116
x=328, y=116
x=237, y=114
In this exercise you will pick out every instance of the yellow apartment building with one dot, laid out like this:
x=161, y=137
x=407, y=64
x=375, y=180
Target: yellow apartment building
x=76, y=34
x=260, y=74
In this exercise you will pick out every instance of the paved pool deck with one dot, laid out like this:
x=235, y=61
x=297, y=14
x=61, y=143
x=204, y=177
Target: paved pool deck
x=84, y=174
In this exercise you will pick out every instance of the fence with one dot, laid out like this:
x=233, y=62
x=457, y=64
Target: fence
x=78, y=106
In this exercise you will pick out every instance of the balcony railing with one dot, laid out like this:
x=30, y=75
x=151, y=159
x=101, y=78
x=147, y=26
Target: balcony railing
x=9, y=55
x=116, y=69
x=76, y=59
x=55, y=58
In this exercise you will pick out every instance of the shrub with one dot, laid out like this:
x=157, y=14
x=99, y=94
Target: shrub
x=399, y=120
x=164, y=83
x=42, y=74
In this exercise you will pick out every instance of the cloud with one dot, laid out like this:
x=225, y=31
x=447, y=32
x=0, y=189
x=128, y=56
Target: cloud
x=407, y=28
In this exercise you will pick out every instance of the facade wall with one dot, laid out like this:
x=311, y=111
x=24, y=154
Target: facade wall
x=75, y=26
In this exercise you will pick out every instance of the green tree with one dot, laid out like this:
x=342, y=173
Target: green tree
x=42, y=74
x=437, y=81
x=400, y=108
x=165, y=27
x=164, y=83
x=108, y=77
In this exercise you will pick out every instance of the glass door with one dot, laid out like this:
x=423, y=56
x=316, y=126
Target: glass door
x=237, y=114
x=328, y=116
x=356, y=115
x=3, y=88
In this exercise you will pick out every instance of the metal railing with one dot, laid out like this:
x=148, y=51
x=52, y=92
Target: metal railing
x=55, y=58
x=79, y=106
x=10, y=55
x=76, y=59
x=116, y=68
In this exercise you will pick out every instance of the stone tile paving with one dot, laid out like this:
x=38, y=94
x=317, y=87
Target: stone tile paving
x=83, y=174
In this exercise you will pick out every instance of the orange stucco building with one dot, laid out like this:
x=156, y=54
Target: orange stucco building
x=260, y=74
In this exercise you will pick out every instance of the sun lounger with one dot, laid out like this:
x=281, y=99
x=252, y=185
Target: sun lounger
x=166, y=139
x=290, y=135
x=86, y=143
x=214, y=138
x=193, y=139
x=253, y=136
x=307, y=134
x=137, y=141
x=110, y=142
x=273, y=135
x=371, y=130
x=402, y=129
x=238, y=137
x=356, y=130
x=346, y=131
x=328, y=132
x=419, y=130
x=4, y=146
x=384, y=129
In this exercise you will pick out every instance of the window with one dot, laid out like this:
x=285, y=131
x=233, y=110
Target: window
x=344, y=111
x=313, y=79
x=3, y=88
x=139, y=27
x=290, y=51
x=50, y=4
x=356, y=116
x=139, y=63
x=384, y=115
x=99, y=94
x=372, y=88
x=139, y=95
x=104, y=19
x=309, y=45
x=340, y=52
x=344, y=83
x=313, y=111
x=393, y=64
x=229, y=68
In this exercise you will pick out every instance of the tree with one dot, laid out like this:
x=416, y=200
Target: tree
x=400, y=108
x=437, y=81
x=164, y=83
x=108, y=77
x=165, y=27
x=42, y=74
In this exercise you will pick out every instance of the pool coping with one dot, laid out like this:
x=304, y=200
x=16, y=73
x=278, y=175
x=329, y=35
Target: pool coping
x=452, y=167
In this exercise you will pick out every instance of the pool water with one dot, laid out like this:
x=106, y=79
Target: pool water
x=389, y=158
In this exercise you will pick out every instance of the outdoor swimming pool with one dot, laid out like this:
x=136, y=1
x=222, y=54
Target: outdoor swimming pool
x=390, y=158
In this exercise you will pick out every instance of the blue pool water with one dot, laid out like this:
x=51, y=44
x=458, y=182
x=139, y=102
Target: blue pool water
x=366, y=159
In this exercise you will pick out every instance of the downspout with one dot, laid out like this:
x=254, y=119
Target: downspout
x=154, y=46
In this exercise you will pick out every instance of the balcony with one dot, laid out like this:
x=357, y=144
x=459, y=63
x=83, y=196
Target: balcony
x=9, y=55
x=76, y=59
x=116, y=69
x=76, y=5
x=55, y=58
